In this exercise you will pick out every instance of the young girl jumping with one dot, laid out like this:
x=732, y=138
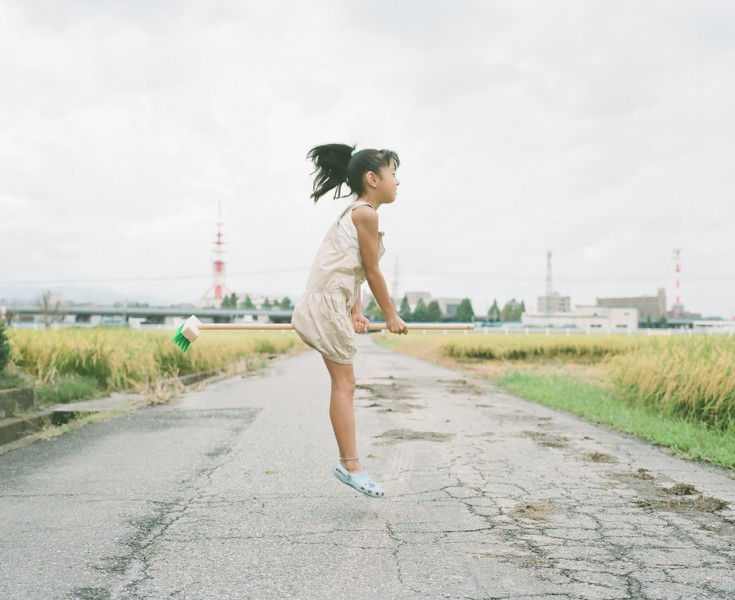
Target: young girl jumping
x=329, y=313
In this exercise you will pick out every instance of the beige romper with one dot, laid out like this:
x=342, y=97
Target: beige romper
x=322, y=316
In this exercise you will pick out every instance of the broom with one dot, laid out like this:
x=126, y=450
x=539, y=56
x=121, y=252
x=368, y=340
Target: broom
x=191, y=329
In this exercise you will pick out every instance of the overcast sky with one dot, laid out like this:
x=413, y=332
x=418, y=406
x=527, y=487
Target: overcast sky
x=603, y=132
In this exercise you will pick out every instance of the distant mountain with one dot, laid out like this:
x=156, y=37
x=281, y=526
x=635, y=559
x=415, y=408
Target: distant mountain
x=74, y=294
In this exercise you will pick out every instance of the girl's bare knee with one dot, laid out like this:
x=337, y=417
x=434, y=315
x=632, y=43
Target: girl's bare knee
x=344, y=385
x=342, y=376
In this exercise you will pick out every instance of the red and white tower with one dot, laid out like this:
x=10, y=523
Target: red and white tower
x=218, y=288
x=677, y=309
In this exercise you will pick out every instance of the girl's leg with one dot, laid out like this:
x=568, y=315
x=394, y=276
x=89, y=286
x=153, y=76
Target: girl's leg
x=342, y=412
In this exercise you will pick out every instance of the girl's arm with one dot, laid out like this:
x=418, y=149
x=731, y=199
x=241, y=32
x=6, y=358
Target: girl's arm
x=366, y=222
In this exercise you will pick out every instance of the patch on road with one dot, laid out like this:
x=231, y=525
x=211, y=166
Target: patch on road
x=600, y=457
x=534, y=511
x=682, y=498
x=548, y=440
x=461, y=386
x=408, y=435
x=386, y=397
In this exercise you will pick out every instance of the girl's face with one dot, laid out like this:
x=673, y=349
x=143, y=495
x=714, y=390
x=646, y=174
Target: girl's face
x=388, y=182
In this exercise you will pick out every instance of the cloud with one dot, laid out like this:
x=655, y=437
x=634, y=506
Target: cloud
x=601, y=132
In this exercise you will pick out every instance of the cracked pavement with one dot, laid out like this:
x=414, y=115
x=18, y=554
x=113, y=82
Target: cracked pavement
x=227, y=492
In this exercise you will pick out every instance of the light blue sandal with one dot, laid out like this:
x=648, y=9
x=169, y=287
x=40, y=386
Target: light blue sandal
x=360, y=481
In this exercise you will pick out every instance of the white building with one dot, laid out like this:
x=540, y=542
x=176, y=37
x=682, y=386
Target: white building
x=414, y=297
x=586, y=318
x=714, y=326
x=449, y=306
x=554, y=303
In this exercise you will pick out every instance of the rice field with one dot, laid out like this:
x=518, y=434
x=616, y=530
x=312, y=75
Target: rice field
x=539, y=347
x=693, y=377
x=117, y=359
x=688, y=376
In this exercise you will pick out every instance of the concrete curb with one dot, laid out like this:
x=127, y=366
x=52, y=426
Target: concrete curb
x=16, y=400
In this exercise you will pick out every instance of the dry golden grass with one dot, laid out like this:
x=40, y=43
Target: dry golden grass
x=693, y=376
x=121, y=358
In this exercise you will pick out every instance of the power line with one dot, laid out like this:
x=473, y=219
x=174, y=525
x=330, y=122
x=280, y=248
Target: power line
x=152, y=278
x=443, y=274
x=581, y=279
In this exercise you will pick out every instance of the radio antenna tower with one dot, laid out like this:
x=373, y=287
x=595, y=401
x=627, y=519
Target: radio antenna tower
x=677, y=308
x=549, y=287
x=218, y=264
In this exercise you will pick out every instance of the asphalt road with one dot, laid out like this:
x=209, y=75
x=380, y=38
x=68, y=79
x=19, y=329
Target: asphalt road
x=228, y=493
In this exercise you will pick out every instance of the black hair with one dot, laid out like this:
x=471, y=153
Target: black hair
x=339, y=164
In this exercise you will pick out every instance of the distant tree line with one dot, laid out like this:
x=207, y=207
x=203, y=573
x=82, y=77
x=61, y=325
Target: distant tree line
x=423, y=313
x=232, y=301
x=511, y=311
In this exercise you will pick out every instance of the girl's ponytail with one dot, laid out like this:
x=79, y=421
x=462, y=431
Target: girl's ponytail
x=331, y=162
x=339, y=164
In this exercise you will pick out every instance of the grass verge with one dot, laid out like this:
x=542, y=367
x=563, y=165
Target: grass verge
x=69, y=388
x=687, y=439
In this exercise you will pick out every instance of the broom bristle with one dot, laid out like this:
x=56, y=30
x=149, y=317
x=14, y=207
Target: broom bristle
x=180, y=340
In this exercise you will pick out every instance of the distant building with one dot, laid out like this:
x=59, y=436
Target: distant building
x=449, y=306
x=414, y=297
x=678, y=314
x=205, y=302
x=648, y=307
x=554, y=303
x=714, y=326
x=586, y=318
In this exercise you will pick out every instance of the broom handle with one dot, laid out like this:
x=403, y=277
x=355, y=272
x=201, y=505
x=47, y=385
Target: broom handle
x=287, y=326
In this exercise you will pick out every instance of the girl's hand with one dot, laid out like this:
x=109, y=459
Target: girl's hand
x=397, y=325
x=360, y=323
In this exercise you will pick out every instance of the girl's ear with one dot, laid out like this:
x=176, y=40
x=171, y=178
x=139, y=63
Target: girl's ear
x=371, y=179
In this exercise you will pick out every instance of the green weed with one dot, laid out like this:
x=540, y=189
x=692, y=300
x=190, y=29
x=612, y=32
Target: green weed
x=687, y=438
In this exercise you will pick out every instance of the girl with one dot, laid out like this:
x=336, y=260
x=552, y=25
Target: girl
x=329, y=313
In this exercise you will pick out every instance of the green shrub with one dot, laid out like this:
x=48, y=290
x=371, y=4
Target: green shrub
x=265, y=347
x=4, y=348
x=69, y=388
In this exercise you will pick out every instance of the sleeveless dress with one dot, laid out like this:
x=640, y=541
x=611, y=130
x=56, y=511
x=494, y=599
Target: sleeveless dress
x=322, y=315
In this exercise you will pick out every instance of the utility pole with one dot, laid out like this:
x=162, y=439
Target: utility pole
x=549, y=286
x=677, y=309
